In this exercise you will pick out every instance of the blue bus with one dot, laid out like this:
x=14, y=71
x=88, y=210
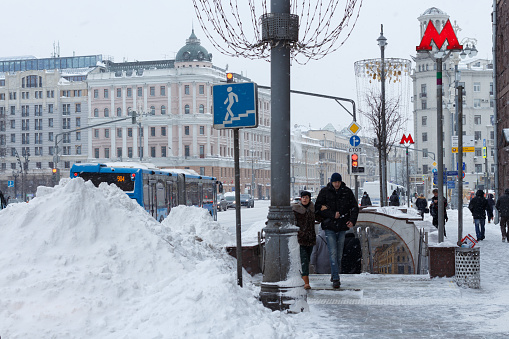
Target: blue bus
x=156, y=190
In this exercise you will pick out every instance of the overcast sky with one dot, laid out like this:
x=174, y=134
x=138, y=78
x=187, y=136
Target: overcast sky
x=149, y=30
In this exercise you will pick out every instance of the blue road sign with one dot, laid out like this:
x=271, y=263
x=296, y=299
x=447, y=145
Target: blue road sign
x=10, y=183
x=235, y=105
x=463, y=166
x=452, y=173
x=355, y=140
x=434, y=170
x=451, y=184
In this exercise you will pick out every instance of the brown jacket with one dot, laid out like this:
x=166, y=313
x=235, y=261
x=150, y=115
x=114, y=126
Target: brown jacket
x=305, y=218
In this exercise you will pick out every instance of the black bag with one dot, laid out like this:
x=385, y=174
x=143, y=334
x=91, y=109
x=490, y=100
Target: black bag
x=426, y=210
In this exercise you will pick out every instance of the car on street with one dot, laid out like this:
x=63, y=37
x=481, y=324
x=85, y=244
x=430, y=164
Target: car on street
x=222, y=204
x=230, y=201
x=246, y=200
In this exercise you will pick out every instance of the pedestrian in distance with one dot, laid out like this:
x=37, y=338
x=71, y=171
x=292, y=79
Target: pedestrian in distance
x=422, y=205
x=338, y=208
x=320, y=258
x=502, y=207
x=491, y=204
x=479, y=207
x=365, y=200
x=304, y=212
x=394, y=199
x=433, y=209
x=3, y=202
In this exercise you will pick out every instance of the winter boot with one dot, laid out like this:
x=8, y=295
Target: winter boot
x=336, y=284
x=306, y=282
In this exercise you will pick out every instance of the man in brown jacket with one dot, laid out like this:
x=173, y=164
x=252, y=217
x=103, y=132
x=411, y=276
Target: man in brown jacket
x=305, y=218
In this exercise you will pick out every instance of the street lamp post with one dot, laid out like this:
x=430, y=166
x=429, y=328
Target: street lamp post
x=15, y=175
x=382, y=42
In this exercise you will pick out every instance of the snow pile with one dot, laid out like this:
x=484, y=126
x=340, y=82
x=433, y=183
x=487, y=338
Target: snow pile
x=79, y=261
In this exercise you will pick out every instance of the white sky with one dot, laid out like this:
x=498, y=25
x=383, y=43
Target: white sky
x=152, y=30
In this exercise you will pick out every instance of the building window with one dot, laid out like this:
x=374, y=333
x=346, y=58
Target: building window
x=107, y=153
x=186, y=150
x=477, y=119
x=105, y=94
x=163, y=91
x=106, y=112
x=186, y=109
x=78, y=108
x=478, y=152
x=163, y=110
x=477, y=86
x=66, y=109
x=106, y=133
x=152, y=131
x=96, y=112
x=202, y=130
x=119, y=111
x=129, y=152
x=152, y=110
x=119, y=132
x=163, y=151
x=153, y=152
x=78, y=149
x=201, y=89
x=50, y=108
x=424, y=137
x=202, y=109
x=163, y=131
x=152, y=91
x=202, y=151
x=119, y=92
x=186, y=130
x=119, y=152
x=477, y=135
x=424, y=120
x=129, y=92
x=424, y=152
x=96, y=133
x=478, y=168
x=96, y=153
x=78, y=135
x=78, y=122
x=477, y=103
x=140, y=91
x=96, y=93
x=186, y=89
x=130, y=132
x=424, y=104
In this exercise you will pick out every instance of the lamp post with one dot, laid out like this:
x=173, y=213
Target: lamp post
x=382, y=42
x=15, y=175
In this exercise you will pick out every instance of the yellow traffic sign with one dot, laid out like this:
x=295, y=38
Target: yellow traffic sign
x=465, y=149
x=434, y=164
x=354, y=127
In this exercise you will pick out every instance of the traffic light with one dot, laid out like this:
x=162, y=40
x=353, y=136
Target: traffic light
x=229, y=77
x=54, y=170
x=355, y=162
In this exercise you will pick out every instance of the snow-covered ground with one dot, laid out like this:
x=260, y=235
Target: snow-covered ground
x=85, y=262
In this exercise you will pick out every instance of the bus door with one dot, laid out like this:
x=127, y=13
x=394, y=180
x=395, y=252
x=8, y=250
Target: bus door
x=160, y=199
x=181, y=189
x=149, y=196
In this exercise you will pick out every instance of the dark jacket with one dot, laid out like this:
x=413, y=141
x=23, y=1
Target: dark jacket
x=433, y=209
x=479, y=206
x=491, y=203
x=421, y=203
x=342, y=201
x=365, y=201
x=502, y=205
x=394, y=199
x=305, y=219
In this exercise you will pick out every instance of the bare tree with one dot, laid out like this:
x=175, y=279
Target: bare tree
x=395, y=120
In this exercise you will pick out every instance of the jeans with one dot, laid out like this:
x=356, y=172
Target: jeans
x=479, y=231
x=305, y=256
x=335, y=243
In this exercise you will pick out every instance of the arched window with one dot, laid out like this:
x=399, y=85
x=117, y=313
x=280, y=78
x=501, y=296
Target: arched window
x=163, y=109
x=186, y=109
x=106, y=112
x=202, y=109
x=152, y=110
x=119, y=112
x=96, y=113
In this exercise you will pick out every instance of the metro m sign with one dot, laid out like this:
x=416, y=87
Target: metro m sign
x=406, y=139
x=431, y=34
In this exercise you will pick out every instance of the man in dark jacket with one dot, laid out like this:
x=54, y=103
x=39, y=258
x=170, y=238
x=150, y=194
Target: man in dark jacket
x=338, y=208
x=366, y=200
x=421, y=205
x=304, y=212
x=502, y=206
x=491, y=204
x=433, y=209
x=479, y=207
x=394, y=199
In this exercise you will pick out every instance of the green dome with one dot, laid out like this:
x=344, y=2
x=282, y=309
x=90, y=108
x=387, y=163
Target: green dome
x=193, y=51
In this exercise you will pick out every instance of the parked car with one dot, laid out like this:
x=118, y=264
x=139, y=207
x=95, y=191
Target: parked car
x=246, y=200
x=222, y=204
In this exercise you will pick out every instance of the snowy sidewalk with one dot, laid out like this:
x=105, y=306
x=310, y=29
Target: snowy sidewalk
x=415, y=306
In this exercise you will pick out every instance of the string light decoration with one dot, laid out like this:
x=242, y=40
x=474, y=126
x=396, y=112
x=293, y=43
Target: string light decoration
x=398, y=83
x=320, y=25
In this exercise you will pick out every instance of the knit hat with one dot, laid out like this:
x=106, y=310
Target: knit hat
x=336, y=177
x=305, y=193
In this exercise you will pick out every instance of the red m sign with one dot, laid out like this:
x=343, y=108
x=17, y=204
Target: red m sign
x=432, y=34
x=406, y=139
